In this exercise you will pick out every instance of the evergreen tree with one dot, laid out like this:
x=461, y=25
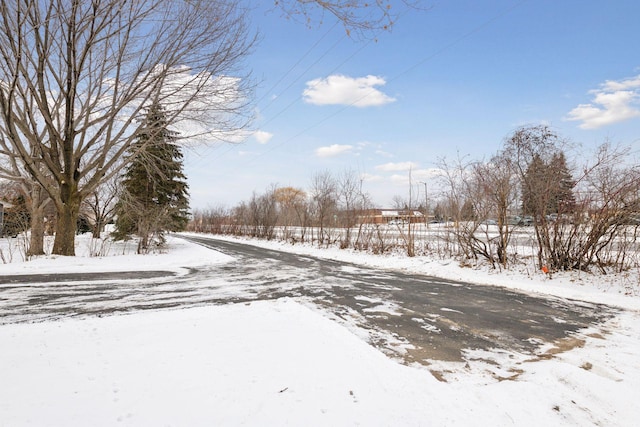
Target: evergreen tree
x=467, y=211
x=534, y=188
x=154, y=196
x=563, y=200
x=548, y=187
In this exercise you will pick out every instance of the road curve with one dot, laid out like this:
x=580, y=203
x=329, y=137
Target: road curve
x=417, y=317
x=413, y=317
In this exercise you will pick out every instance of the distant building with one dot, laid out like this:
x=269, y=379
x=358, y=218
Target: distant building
x=391, y=216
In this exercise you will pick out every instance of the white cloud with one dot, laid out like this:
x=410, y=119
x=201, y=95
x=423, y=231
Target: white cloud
x=197, y=104
x=632, y=83
x=343, y=90
x=397, y=167
x=613, y=102
x=262, y=136
x=333, y=150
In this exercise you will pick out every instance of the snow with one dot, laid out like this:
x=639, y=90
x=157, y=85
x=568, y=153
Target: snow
x=620, y=290
x=118, y=256
x=285, y=362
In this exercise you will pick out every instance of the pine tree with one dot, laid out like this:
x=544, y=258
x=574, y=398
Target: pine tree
x=548, y=187
x=154, y=196
x=535, y=188
x=563, y=200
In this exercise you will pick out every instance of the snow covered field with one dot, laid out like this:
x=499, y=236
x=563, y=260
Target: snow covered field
x=285, y=362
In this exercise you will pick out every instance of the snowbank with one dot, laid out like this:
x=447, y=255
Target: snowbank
x=283, y=363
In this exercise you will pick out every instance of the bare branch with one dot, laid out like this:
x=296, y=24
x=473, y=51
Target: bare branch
x=359, y=18
x=76, y=76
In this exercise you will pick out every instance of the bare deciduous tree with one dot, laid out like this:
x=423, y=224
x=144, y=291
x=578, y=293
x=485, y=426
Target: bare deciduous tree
x=293, y=211
x=324, y=202
x=462, y=195
x=364, y=18
x=263, y=211
x=608, y=201
x=352, y=203
x=216, y=220
x=37, y=200
x=574, y=231
x=527, y=148
x=101, y=204
x=499, y=187
x=76, y=75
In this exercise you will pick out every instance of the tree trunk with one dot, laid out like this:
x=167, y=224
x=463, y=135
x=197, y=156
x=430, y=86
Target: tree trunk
x=144, y=228
x=64, y=243
x=37, y=204
x=36, y=244
x=97, y=227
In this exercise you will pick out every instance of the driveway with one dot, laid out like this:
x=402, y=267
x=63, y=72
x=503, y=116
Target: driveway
x=415, y=318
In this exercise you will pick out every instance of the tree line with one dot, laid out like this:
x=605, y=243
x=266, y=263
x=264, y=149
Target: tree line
x=573, y=215
x=79, y=78
x=148, y=199
x=582, y=215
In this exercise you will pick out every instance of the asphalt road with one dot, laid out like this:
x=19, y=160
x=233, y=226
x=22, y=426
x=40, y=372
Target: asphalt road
x=413, y=317
x=437, y=319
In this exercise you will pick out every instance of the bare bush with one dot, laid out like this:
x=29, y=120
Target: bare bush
x=527, y=201
x=352, y=204
x=293, y=213
x=574, y=231
x=323, y=205
x=263, y=214
x=498, y=186
x=216, y=220
x=469, y=208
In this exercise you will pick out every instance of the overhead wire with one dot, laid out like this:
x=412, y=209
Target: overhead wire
x=232, y=146
x=394, y=78
x=326, y=118
x=273, y=87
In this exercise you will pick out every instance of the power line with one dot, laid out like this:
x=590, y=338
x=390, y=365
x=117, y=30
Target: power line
x=459, y=39
x=232, y=146
x=407, y=70
x=397, y=76
x=298, y=63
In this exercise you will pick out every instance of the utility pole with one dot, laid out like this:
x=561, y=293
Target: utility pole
x=426, y=204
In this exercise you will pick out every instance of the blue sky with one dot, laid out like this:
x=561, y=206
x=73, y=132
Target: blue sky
x=452, y=81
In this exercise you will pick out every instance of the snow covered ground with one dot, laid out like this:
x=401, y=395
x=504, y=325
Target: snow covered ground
x=285, y=362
